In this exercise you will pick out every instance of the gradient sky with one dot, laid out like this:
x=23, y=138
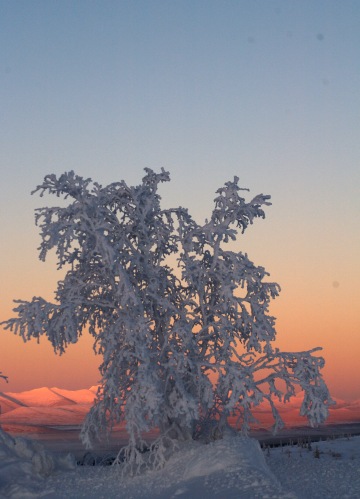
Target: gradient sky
x=265, y=90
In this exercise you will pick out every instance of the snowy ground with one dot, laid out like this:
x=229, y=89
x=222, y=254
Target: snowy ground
x=329, y=469
x=231, y=468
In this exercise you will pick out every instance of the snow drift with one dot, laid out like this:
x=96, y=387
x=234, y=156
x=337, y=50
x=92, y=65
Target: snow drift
x=25, y=464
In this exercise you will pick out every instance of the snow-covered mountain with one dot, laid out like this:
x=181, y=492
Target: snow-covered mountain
x=40, y=408
x=34, y=410
x=46, y=397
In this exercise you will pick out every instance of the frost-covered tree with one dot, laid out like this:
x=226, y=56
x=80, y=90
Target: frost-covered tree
x=184, y=345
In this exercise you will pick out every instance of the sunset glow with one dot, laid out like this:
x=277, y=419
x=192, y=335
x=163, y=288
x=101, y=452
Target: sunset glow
x=208, y=91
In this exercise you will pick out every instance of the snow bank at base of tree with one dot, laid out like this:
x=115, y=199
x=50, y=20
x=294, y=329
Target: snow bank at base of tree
x=24, y=466
x=228, y=468
x=229, y=453
x=232, y=467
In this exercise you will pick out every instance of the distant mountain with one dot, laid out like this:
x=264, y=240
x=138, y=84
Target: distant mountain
x=40, y=397
x=42, y=409
x=70, y=415
x=84, y=396
x=47, y=397
x=8, y=403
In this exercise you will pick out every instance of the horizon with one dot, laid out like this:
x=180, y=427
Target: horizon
x=15, y=416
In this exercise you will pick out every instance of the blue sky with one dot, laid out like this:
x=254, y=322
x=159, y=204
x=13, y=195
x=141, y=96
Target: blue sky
x=265, y=90
x=199, y=87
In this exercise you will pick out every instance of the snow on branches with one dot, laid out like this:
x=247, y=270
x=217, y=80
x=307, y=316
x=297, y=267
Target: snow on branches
x=183, y=348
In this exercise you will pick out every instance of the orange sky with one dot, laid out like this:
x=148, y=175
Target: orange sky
x=321, y=314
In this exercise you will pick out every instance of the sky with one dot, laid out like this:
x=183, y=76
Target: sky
x=265, y=90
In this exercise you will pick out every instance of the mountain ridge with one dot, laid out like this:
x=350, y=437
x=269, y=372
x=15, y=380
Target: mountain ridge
x=46, y=407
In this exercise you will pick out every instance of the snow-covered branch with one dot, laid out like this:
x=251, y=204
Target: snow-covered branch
x=164, y=332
